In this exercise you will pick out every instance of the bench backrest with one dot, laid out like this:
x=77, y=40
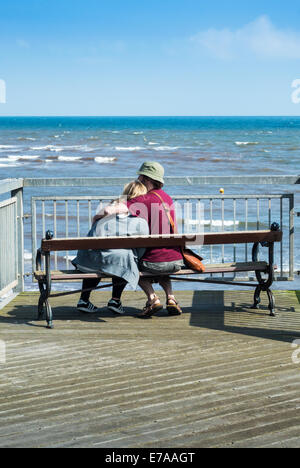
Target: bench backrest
x=172, y=240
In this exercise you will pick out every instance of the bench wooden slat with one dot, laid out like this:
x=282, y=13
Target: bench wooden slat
x=65, y=275
x=174, y=240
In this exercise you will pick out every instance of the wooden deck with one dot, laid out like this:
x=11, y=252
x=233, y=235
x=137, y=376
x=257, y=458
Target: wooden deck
x=220, y=375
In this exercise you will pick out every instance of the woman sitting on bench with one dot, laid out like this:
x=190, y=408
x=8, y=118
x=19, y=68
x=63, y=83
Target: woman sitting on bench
x=121, y=264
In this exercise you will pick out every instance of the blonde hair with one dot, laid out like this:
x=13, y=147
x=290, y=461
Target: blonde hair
x=132, y=190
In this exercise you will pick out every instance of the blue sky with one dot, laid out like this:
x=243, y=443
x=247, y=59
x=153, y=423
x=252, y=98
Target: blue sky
x=149, y=57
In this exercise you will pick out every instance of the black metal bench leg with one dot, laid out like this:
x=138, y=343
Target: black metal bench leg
x=271, y=303
x=40, y=308
x=49, y=315
x=257, y=299
x=42, y=298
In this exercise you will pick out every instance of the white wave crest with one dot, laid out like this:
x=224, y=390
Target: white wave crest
x=246, y=143
x=214, y=222
x=8, y=146
x=23, y=157
x=69, y=158
x=166, y=148
x=26, y=139
x=104, y=160
x=129, y=148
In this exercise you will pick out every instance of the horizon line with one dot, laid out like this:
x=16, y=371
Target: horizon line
x=146, y=116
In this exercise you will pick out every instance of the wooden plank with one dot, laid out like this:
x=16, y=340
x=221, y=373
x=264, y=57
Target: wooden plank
x=241, y=237
x=220, y=375
x=86, y=243
x=177, y=240
x=212, y=268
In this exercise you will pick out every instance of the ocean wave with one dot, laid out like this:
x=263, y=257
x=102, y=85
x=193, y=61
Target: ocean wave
x=166, y=148
x=10, y=165
x=214, y=222
x=8, y=146
x=27, y=255
x=43, y=148
x=246, y=143
x=129, y=148
x=22, y=157
x=69, y=158
x=26, y=139
x=104, y=160
x=59, y=149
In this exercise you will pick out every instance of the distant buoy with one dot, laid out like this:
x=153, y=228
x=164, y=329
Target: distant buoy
x=222, y=190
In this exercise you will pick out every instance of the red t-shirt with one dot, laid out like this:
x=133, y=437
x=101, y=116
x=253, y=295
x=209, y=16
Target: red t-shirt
x=150, y=208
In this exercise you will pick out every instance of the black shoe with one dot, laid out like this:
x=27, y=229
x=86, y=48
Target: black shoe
x=86, y=307
x=116, y=307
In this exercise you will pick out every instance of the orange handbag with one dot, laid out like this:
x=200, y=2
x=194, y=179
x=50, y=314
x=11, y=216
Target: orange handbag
x=191, y=259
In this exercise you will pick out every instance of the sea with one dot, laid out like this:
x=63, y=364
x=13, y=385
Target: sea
x=51, y=147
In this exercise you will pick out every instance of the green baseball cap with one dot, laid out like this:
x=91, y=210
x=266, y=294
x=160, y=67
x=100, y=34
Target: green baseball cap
x=153, y=170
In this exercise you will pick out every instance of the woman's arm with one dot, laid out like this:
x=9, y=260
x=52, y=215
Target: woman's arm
x=109, y=210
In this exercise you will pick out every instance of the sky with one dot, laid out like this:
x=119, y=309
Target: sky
x=149, y=57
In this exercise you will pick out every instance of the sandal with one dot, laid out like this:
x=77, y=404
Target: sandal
x=173, y=307
x=151, y=308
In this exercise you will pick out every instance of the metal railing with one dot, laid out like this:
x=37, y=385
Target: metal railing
x=11, y=237
x=71, y=216
x=221, y=212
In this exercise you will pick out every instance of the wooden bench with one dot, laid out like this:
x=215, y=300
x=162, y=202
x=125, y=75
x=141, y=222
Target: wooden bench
x=258, y=238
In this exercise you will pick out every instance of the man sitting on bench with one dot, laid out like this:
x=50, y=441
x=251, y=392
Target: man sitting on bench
x=151, y=207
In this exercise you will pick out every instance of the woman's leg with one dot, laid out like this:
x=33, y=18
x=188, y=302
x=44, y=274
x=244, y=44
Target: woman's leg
x=119, y=285
x=88, y=284
x=115, y=304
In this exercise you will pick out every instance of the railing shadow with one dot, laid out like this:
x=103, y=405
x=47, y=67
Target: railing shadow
x=239, y=318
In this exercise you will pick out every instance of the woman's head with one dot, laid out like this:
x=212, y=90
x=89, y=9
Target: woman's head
x=134, y=189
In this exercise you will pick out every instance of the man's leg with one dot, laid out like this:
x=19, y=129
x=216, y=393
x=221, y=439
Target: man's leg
x=153, y=304
x=172, y=305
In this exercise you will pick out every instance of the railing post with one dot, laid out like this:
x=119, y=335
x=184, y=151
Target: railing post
x=18, y=193
x=292, y=236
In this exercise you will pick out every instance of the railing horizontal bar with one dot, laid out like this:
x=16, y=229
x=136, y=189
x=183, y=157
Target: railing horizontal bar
x=179, y=181
x=11, y=201
x=8, y=185
x=175, y=197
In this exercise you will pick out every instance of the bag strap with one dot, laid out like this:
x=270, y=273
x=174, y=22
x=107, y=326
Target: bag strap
x=168, y=213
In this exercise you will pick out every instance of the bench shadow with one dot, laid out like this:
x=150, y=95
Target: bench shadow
x=239, y=318
x=28, y=315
